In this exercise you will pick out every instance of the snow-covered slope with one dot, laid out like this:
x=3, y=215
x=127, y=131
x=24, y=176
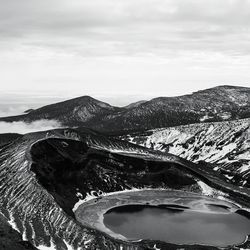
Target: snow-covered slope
x=225, y=144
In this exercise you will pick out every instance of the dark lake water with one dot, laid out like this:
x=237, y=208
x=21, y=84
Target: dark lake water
x=178, y=225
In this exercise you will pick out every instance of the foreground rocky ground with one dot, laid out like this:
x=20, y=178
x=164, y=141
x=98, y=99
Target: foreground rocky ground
x=44, y=175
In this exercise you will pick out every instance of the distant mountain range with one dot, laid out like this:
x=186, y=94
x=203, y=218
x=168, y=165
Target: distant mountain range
x=221, y=103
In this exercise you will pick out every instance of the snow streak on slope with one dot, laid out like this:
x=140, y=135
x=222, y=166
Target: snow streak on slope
x=32, y=211
x=225, y=144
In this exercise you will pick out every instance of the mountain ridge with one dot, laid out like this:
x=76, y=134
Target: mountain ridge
x=215, y=104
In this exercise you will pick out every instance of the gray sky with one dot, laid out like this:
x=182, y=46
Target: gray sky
x=109, y=48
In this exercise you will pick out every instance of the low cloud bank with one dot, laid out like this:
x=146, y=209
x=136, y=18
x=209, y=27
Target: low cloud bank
x=23, y=128
x=12, y=109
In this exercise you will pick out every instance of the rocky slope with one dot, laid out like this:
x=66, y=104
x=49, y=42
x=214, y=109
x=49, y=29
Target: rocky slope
x=8, y=137
x=43, y=175
x=11, y=239
x=224, y=144
x=215, y=104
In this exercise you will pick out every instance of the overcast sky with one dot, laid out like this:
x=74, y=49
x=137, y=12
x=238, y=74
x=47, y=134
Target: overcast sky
x=109, y=48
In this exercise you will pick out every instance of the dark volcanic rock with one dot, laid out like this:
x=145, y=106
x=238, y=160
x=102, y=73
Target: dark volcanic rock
x=8, y=137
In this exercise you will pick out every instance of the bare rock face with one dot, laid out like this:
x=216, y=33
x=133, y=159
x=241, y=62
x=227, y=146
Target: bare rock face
x=43, y=175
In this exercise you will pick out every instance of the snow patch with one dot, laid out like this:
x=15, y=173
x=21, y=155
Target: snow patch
x=210, y=129
x=244, y=168
x=205, y=188
x=228, y=176
x=156, y=248
x=91, y=195
x=12, y=223
x=52, y=246
x=79, y=195
x=69, y=247
x=42, y=247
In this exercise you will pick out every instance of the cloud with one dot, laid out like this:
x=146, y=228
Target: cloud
x=105, y=46
x=23, y=128
x=10, y=110
x=106, y=27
